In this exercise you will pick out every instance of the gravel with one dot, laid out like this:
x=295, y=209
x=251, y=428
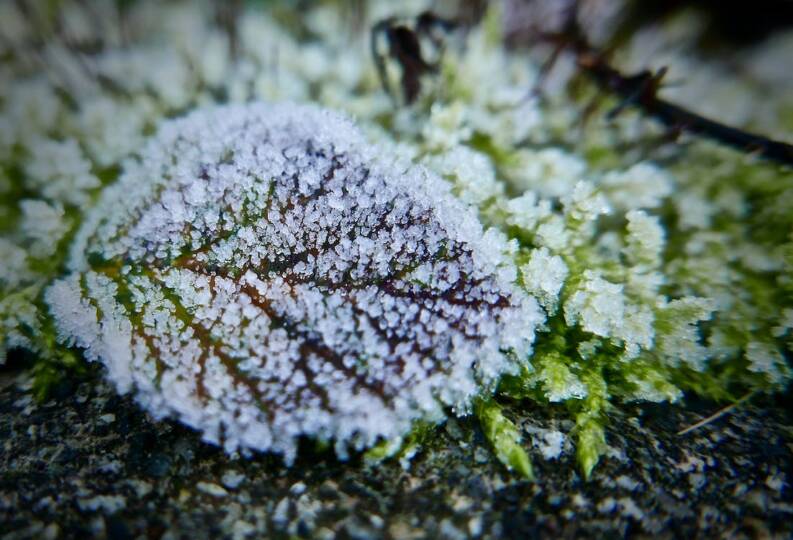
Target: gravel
x=91, y=464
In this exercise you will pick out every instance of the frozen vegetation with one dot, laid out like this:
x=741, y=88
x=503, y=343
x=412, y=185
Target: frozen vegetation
x=262, y=274
x=202, y=215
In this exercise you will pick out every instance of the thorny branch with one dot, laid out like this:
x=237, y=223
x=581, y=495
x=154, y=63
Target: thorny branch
x=641, y=91
x=638, y=90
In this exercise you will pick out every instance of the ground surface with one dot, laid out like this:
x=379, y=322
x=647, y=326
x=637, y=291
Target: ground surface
x=90, y=464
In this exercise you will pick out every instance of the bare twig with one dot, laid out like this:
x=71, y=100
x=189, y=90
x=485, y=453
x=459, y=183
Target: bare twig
x=640, y=90
x=715, y=416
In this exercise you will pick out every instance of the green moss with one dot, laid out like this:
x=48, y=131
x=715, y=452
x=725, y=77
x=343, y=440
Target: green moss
x=590, y=422
x=747, y=203
x=401, y=448
x=505, y=438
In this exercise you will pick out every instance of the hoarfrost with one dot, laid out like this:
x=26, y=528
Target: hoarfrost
x=262, y=273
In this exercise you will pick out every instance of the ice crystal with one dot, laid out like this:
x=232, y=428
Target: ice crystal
x=662, y=267
x=261, y=273
x=544, y=276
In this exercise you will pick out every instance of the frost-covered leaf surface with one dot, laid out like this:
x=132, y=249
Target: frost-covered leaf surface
x=661, y=267
x=262, y=273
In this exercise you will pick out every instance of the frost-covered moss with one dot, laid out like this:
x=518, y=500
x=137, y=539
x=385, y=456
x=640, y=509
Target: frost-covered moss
x=661, y=268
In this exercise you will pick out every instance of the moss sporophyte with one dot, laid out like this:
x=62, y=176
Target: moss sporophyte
x=210, y=223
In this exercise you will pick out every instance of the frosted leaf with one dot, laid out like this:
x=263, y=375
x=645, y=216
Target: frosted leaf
x=766, y=358
x=60, y=172
x=551, y=172
x=446, y=127
x=559, y=383
x=650, y=385
x=527, y=211
x=32, y=107
x=583, y=203
x=644, y=185
x=42, y=226
x=597, y=305
x=15, y=265
x=544, y=276
x=679, y=339
x=111, y=130
x=645, y=239
x=261, y=273
x=470, y=171
x=18, y=317
x=553, y=234
x=785, y=324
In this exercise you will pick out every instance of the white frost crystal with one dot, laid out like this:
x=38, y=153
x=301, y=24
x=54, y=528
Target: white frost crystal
x=766, y=358
x=598, y=305
x=261, y=273
x=544, y=277
x=43, y=226
x=60, y=171
x=643, y=185
x=234, y=277
x=551, y=171
x=14, y=264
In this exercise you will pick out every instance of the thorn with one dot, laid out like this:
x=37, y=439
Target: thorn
x=644, y=87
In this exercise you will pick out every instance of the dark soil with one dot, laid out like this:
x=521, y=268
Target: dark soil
x=91, y=464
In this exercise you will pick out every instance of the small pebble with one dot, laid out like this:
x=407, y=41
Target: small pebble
x=212, y=489
x=232, y=479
